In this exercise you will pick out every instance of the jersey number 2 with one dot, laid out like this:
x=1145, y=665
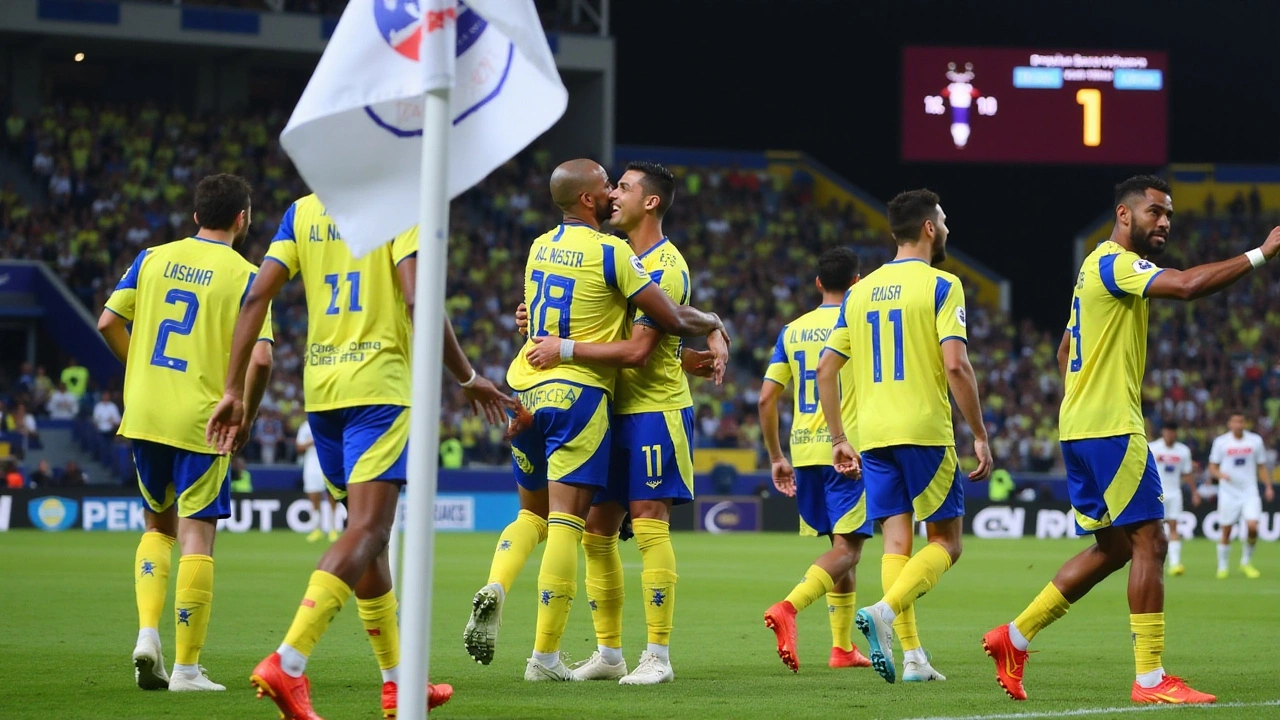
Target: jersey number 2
x=177, y=327
x=895, y=318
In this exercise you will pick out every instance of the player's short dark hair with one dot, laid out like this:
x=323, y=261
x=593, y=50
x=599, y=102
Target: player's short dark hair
x=657, y=180
x=219, y=199
x=1169, y=425
x=1238, y=413
x=909, y=210
x=1138, y=185
x=837, y=267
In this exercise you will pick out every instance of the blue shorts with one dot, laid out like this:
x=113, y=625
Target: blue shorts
x=1112, y=481
x=198, y=482
x=569, y=439
x=362, y=443
x=919, y=479
x=830, y=503
x=652, y=458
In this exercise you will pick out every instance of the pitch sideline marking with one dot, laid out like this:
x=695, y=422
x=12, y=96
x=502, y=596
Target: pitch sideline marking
x=1101, y=711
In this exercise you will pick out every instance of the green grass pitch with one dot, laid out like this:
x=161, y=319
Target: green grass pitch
x=68, y=623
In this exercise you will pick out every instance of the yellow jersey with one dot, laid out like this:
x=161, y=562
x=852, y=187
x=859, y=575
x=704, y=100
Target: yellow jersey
x=1107, y=353
x=576, y=285
x=183, y=299
x=795, y=358
x=890, y=327
x=358, y=326
x=661, y=384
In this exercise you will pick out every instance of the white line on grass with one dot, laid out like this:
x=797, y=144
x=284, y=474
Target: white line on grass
x=1101, y=711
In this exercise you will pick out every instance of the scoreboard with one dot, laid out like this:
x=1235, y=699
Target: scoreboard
x=1000, y=105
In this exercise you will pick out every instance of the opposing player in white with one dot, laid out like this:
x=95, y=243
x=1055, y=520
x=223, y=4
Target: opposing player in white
x=313, y=486
x=1173, y=460
x=1238, y=461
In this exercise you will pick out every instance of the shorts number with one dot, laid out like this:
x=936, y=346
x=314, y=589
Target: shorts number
x=1077, y=362
x=179, y=327
x=895, y=318
x=334, y=282
x=652, y=460
x=808, y=385
x=552, y=292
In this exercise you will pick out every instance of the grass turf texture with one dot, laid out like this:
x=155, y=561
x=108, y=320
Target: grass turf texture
x=68, y=624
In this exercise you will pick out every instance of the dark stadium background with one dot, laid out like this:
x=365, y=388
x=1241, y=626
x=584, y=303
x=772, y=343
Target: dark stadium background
x=823, y=76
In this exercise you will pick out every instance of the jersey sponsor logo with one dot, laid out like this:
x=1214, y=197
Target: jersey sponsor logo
x=553, y=396
x=960, y=318
x=1143, y=266
x=1240, y=451
x=638, y=267
x=522, y=461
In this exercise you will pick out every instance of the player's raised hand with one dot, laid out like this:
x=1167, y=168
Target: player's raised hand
x=1271, y=246
x=225, y=424
x=698, y=363
x=784, y=477
x=845, y=459
x=522, y=319
x=487, y=400
x=545, y=353
x=985, y=463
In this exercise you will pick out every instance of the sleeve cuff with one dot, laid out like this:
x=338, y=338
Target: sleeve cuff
x=1148, y=285
x=279, y=262
x=646, y=284
x=413, y=254
x=111, y=310
x=954, y=337
x=831, y=349
x=267, y=340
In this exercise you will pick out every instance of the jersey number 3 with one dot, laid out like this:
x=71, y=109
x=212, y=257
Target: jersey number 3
x=175, y=327
x=1077, y=361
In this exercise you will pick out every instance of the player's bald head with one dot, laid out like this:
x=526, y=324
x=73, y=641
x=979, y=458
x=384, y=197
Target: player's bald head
x=573, y=178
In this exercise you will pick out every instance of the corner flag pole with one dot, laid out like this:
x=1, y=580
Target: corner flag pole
x=424, y=415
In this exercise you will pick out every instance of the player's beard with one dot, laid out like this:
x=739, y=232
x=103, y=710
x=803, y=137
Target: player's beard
x=1141, y=239
x=939, y=250
x=603, y=211
x=238, y=239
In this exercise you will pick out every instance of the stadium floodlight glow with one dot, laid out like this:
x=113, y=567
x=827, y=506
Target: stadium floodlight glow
x=78, y=57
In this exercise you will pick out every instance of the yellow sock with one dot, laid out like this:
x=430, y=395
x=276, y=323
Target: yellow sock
x=919, y=576
x=605, y=587
x=904, y=625
x=840, y=612
x=816, y=583
x=557, y=580
x=192, y=602
x=378, y=615
x=1048, y=606
x=515, y=546
x=326, y=594
x=657, y=578
x=1148, y=641
x=151, y=576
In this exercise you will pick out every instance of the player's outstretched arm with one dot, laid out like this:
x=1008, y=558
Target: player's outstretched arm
x=112, y=328
x=784, y=476
x=679, y=320
x=484, y=396
x=843, y=457
x=964, y=386
x=229, y=415
x=1209, y=278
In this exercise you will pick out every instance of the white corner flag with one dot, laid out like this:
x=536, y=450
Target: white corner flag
x=356, y=134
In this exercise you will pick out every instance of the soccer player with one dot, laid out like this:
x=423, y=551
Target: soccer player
x=577, y=284
x=1111, y=476
x=313, y=486
x=830, y=503
x=651, y=463
x=904, y=328
x=182, y=298
x=1173, y=460
x=359, y=315
x=1238, y=461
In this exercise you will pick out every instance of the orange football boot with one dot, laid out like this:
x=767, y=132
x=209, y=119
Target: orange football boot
x=1010, y=661
x=1171, y=690
x=853, y=658
x=781, y=619
x=291, y=694
x=437, y=695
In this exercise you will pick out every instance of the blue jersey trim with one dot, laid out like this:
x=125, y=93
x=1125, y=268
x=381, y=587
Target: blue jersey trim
x=113, y=312
x=559, y=233
x=1107, y=272
x=207, y=240
x=249, y=285
x=903, y=260
x=840, y=323
x=267, y=340
x=954, y=337
x=277, y=261
x=285, y=231
x=130, y=279
x=413, y=254
x=646, y=284
x=645, y=254
x=829, y=305
x=780, y=347
x=1148, y=285
x=610, y=268
x=940, y=292
x=828, y=348
x=775, y=382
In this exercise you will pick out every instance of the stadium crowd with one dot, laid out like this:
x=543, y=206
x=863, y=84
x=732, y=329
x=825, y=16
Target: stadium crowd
x=116, y=179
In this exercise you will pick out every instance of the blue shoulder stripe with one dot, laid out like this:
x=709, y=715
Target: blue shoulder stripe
x=1107, y=272
x=940, y=292
x=610, y=266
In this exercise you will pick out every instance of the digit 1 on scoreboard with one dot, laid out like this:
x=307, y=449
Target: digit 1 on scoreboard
x=1091, y=99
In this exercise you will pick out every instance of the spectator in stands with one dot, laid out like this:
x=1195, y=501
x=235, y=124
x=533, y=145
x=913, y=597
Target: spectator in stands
x=13, y=478
x=26, y=381
x=24, y=424
x=43, y=476
x=62, y=404
x=73, y=476
x=268, y=432
x=15, y=128
x=42, y=389
x=241, y=479
x=76, y=377
x=106, y=417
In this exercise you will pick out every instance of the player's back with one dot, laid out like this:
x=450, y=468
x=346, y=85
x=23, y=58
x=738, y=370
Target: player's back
x=896, y=319
x=358, y=326
x=795, y=360
x=1108, y=345
x=661, y=383
x=576, y=284
x=183, y=299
